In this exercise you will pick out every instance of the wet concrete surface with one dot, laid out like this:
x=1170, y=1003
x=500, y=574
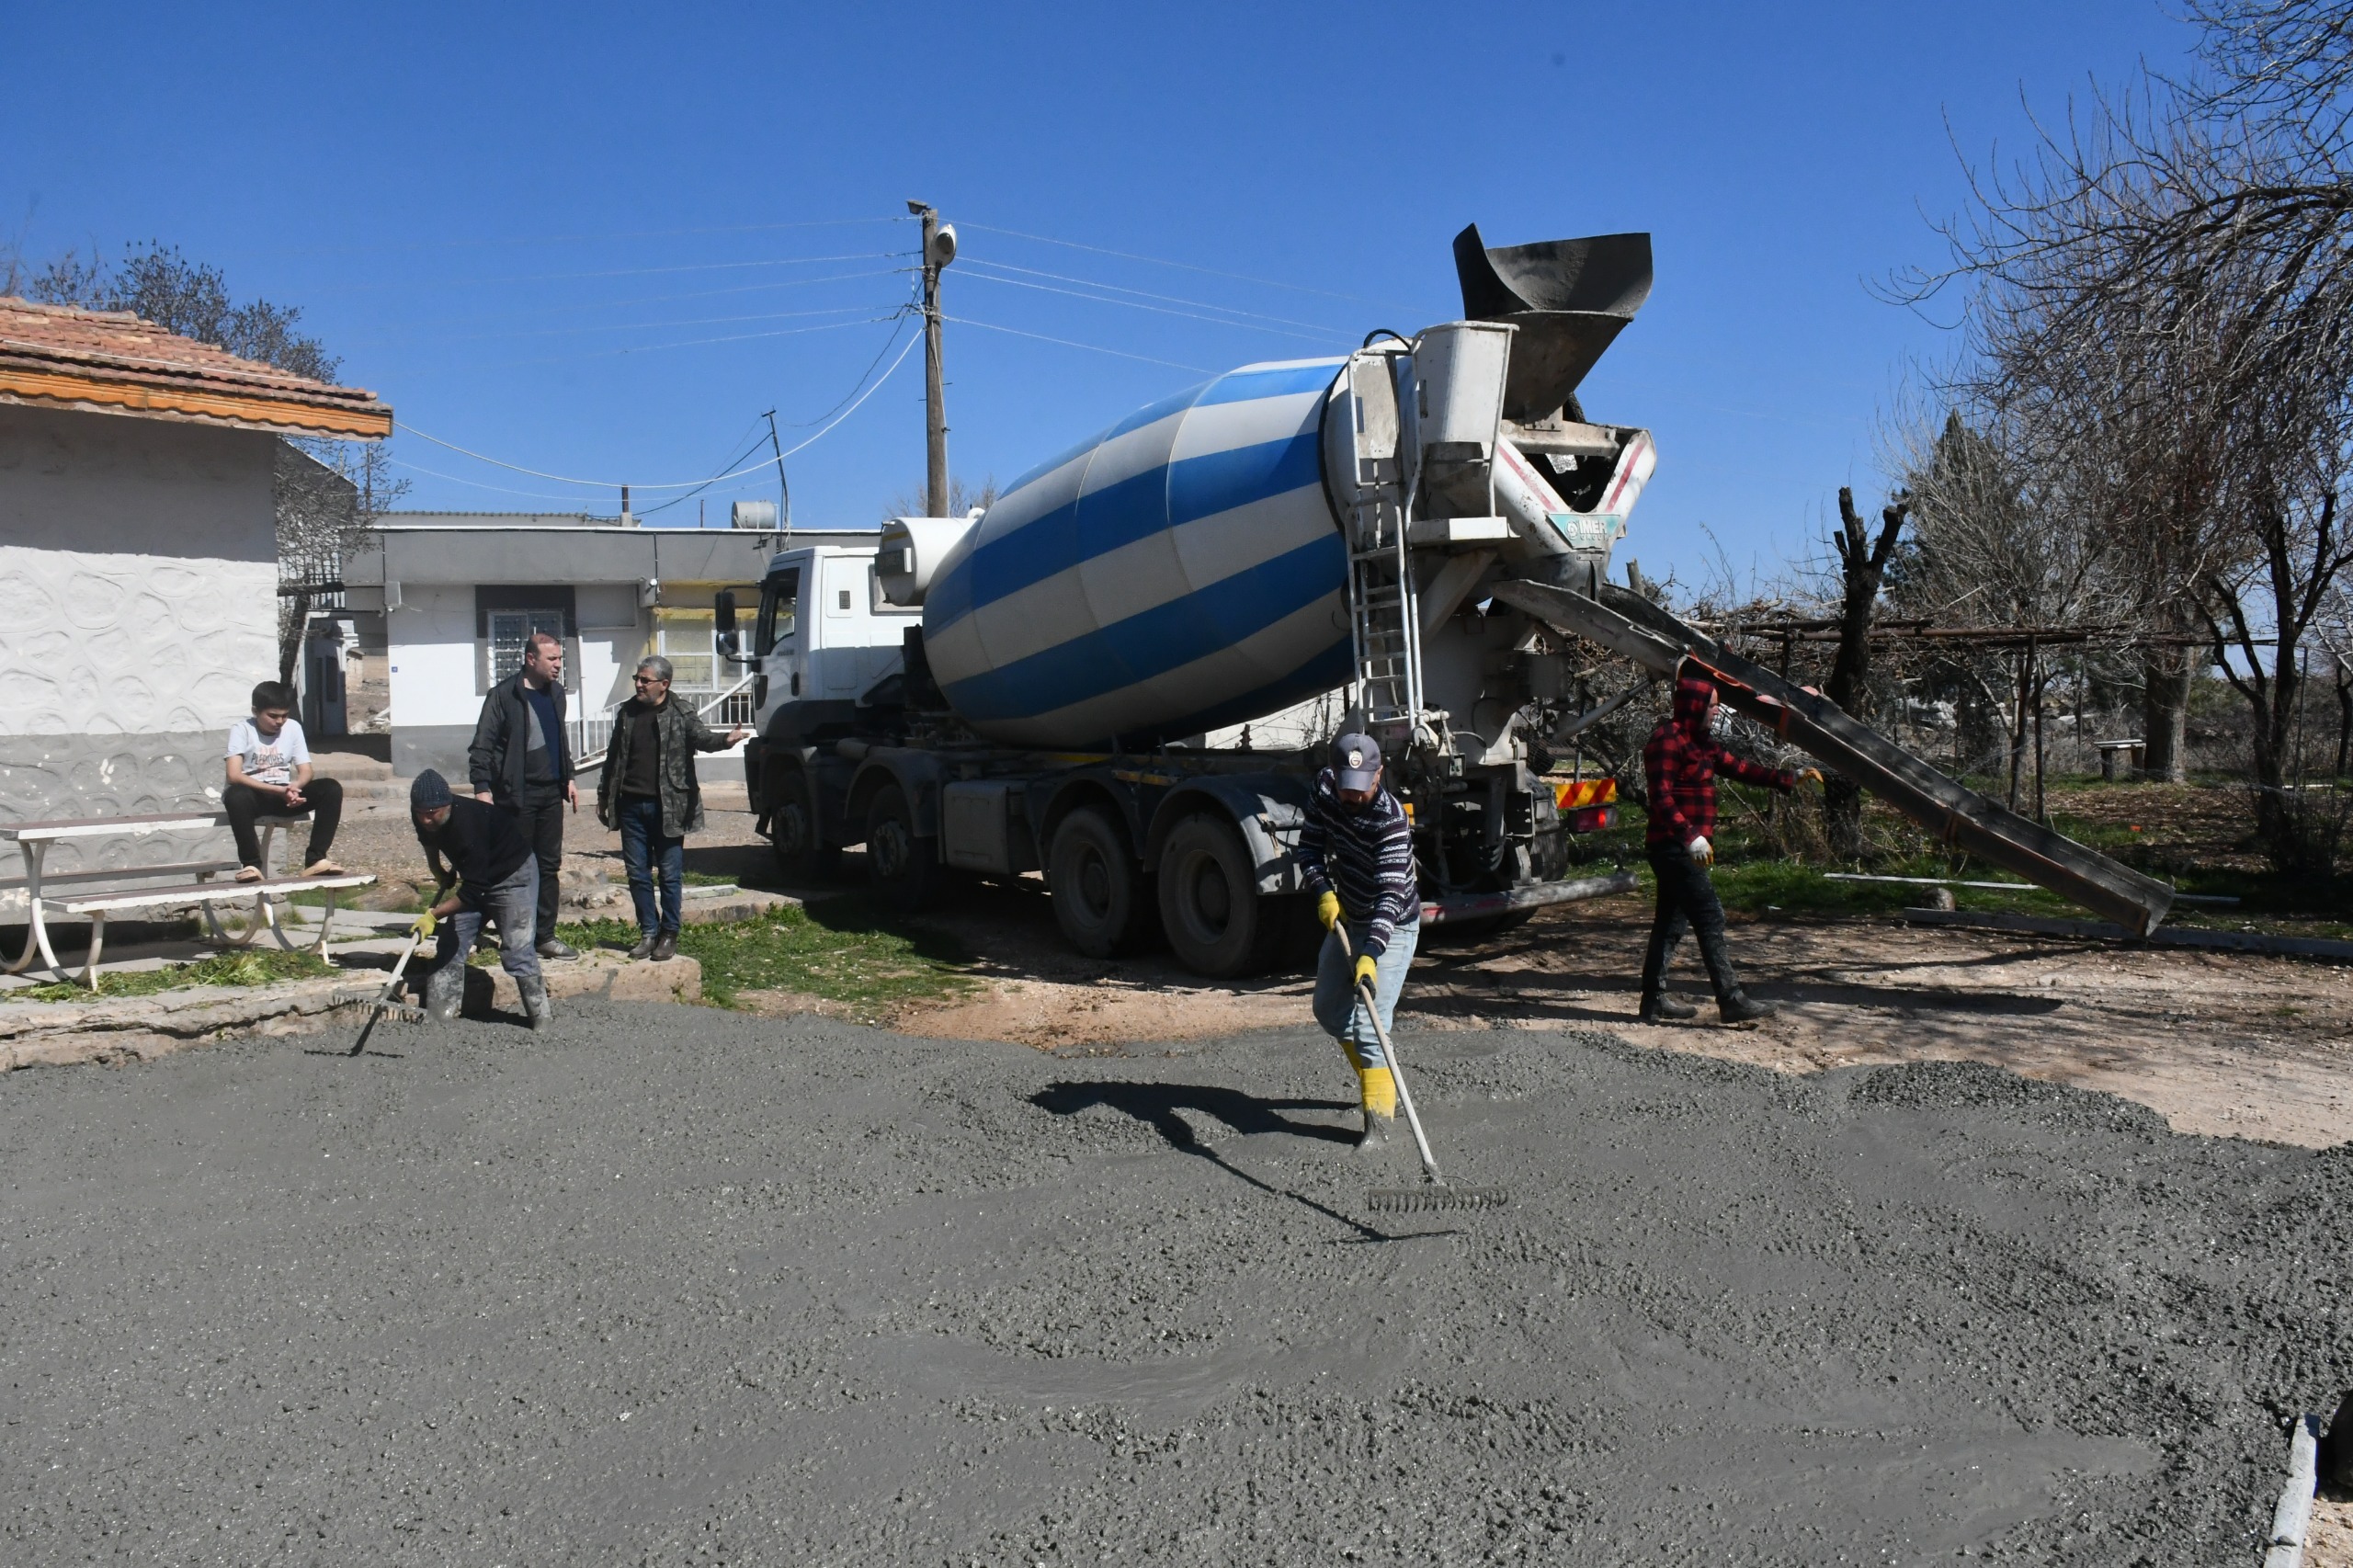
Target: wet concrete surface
x=672, y=1285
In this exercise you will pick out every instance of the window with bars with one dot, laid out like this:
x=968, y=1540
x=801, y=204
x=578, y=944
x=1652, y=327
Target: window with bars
x=510, y=633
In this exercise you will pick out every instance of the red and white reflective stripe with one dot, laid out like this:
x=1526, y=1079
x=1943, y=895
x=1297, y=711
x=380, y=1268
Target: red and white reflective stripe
x=1635, y=465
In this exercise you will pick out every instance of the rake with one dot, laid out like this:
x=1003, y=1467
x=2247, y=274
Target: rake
x=1434, y=1196
x=384, y=1003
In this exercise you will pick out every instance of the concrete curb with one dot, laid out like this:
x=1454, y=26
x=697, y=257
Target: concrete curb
x=139, y=1028
x=2293, y=1515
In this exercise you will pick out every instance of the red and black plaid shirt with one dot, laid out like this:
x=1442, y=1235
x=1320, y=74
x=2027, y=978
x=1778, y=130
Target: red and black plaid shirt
x=1681, y=760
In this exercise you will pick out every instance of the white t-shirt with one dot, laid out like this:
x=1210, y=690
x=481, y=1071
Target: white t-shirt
x=270, y=759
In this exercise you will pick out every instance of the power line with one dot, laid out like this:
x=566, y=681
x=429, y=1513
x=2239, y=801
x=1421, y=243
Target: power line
x=649, y=325
x=642, y=299
x=678, y=500
x=689, y=485
x=1146, y=293
x=805, y=423
x=1073, y=342
x=723, y=466
x=600, y=238
x=690, y=343
x=482, y=484
x=627, y=271
x=1156, y=310
x=1188, y=266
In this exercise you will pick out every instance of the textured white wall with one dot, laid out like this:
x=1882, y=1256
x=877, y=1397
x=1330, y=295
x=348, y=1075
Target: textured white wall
x=138, y=573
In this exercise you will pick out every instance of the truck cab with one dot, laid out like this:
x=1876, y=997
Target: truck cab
x=824, y=637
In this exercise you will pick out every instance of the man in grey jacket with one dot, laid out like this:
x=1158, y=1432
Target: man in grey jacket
x=518, y=762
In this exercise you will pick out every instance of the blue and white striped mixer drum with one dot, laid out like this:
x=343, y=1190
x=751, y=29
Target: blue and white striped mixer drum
x=1182, y=571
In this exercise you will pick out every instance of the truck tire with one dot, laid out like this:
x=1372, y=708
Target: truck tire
x=792, y=828
x=905, y=866
x=1208, y=900
x=1101, y=899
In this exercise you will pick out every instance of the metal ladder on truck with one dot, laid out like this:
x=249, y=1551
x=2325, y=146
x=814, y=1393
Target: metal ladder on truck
x=1383, y=625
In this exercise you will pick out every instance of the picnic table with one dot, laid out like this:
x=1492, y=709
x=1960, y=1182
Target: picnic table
x=97, y=892
x=2118, y=754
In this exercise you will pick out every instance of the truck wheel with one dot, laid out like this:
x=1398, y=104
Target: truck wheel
x=905, y=866
x=1101, y=898
x=792, y=828
x=1208, y=900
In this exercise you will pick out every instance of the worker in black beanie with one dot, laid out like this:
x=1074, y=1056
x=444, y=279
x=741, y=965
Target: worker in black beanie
x=496, y=876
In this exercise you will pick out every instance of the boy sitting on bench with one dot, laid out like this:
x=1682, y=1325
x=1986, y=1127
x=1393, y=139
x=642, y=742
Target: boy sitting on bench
x=269, y=775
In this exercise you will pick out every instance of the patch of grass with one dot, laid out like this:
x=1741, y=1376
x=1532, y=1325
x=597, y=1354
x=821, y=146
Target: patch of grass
x=389, y=896
x=706, y=879
x=253, y=967
x=842, y=949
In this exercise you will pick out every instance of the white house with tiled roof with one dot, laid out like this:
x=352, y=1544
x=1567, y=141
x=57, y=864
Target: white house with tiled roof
x=138, y=554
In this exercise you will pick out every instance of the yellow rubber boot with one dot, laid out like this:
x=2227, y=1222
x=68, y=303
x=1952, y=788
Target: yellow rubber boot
x=1379, y=1098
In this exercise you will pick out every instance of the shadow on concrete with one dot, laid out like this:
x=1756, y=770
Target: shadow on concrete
x=1158, y=1105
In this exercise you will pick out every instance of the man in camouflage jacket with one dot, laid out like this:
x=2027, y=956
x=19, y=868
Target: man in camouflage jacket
x=648, y=795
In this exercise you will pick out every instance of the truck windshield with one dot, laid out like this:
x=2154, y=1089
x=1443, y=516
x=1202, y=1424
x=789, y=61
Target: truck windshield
x=779, y=594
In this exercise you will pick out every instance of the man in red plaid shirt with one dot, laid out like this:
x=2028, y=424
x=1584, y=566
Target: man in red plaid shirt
x=1681, y=761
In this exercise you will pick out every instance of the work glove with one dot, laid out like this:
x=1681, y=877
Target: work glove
x=1327, y=907
x=423, y=927
x=1367, y=967
x=1702, y=852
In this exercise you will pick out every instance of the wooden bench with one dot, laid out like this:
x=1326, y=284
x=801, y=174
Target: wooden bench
x=45, y=897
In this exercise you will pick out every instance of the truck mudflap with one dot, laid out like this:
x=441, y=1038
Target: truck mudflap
x=1481, y=907
x=1269, y=809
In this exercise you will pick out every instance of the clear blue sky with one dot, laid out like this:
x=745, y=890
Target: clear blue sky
x=563, y=236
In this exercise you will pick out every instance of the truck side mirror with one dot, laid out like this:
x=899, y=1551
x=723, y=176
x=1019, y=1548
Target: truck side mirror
x=724, y=607
x=730, y=647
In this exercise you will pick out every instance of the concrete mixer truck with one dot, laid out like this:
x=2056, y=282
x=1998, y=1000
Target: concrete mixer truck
x=1054, y=684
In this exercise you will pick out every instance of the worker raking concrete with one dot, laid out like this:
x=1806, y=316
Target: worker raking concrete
x=1680, y=761
x=1356, y=855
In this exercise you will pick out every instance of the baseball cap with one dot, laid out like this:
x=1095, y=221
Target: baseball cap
x=1356, y=761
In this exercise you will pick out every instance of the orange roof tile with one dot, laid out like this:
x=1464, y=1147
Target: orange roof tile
x=112, y=363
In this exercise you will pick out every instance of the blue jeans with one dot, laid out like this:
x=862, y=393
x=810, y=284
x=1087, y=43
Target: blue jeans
x=1339, y=1007
x=641, y=843
x=513, y=907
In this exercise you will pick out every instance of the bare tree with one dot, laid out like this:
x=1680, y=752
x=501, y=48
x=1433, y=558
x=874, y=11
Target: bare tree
x=157, y=283
x=1863, y=566
x=963, y=498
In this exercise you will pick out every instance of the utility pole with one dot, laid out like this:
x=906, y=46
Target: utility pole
x=783, y=491
x=938, y=250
